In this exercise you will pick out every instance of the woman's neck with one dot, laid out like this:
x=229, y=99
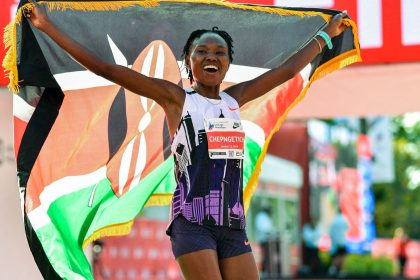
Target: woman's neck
x=207, y=91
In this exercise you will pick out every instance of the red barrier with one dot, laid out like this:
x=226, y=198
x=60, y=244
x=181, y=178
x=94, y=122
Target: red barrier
x=386, y=247
x=144, y=254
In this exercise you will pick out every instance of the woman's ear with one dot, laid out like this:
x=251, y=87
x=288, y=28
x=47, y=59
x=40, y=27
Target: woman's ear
x=187, y=62
x=188, y=68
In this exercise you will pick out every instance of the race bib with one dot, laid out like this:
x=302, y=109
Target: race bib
x=225, y=138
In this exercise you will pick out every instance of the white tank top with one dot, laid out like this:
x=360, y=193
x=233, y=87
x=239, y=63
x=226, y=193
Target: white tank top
x=209, y=190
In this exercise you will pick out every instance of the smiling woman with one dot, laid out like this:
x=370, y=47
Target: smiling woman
x=207, y=223
x=207, y=61
x=204, y=43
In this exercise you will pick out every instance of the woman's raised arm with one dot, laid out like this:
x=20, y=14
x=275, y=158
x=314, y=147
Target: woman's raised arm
x=165, y=93
x=250, y=90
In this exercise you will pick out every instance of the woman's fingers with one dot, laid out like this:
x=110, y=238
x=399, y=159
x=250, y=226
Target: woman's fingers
x=27, y=11
x=340, y=16
x=31, y=9
x=336, y=25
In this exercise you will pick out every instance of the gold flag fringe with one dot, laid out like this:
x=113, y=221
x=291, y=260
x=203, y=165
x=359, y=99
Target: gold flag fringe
x=116, y=5
x=10, y=60
x=271, y=10
x=113, y=230
x=125, y=228
x=99, y=5
x=159, y=200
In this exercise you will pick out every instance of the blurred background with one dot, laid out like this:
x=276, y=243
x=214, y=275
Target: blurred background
x=339, y=191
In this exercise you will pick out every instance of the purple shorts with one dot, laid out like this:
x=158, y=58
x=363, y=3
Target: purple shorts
x=188, y=237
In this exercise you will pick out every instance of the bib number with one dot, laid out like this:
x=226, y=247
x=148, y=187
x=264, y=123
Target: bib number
x=225, y=138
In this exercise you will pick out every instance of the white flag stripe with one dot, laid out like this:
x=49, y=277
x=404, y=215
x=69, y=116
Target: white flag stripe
x=254, y=131
x=85, y=79
x=69, y=185
x=21, y=109
x=241, y=73
x=304, y=73
x=62, y=187
x=38, y=218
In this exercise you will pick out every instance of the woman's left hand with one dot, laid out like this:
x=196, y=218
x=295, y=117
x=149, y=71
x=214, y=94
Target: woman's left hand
x=336, y=26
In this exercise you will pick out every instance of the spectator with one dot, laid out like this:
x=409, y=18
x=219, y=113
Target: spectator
x=338, y=236
x=311, y=234
x=400, y=242
x=266, y=237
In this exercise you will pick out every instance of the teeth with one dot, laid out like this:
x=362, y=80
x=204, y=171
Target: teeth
x=211, y=67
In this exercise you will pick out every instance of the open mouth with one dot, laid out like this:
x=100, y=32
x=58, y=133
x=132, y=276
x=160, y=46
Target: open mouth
x=211, y=68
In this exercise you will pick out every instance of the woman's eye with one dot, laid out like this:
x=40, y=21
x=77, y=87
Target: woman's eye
x=221, y=53
x=201, y=52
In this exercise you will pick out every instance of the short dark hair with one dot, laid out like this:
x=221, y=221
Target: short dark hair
x=197, y=34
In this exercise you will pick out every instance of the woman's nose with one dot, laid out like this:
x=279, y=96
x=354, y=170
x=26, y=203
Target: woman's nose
x=211, y=57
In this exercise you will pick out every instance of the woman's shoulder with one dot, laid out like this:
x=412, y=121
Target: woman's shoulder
x=228, y=99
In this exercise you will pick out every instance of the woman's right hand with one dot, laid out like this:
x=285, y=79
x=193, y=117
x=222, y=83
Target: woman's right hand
x=336, y=26
x=36, y=15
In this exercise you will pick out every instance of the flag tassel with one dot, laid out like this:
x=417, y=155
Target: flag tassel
x=159, y=200
x=113, y=230
x=10, y=60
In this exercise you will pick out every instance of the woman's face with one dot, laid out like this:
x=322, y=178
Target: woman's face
x=209, y=59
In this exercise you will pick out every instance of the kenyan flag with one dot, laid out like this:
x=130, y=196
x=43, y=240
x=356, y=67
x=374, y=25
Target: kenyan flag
x=91, y=154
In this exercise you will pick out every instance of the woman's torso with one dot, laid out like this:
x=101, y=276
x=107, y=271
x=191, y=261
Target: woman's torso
x=209, y=190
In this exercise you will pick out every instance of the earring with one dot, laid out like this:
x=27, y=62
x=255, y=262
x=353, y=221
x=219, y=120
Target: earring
x=190, y=76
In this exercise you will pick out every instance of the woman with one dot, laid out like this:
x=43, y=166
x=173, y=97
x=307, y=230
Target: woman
x=207, y=225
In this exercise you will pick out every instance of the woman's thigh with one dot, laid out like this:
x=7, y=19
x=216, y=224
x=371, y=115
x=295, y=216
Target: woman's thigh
x=200, y=265
x=242, y=267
